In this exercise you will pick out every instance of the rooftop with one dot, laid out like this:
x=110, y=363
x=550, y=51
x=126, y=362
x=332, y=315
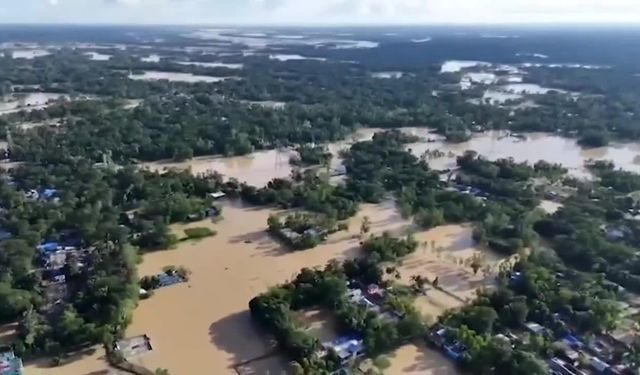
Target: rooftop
x=10, y=364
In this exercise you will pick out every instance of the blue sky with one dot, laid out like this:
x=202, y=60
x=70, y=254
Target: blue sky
x=318, y=11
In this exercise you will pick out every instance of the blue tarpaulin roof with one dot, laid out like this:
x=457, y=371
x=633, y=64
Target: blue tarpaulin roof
x=49, y=193
x=48, y=247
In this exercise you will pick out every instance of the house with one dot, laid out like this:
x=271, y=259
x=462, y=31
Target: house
x=558, y=366
x=535, y=328
x=10, y=364
x=49, y=193
x=347, y=348
x=568, y=353
x=217, y=195
x=599, y=365
x=134, y=346
x=165, y=279
x=48, y=247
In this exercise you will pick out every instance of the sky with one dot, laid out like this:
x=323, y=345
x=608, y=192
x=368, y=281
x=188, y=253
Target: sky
x=319, y=12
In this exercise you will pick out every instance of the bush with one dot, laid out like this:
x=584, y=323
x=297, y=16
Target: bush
x=199, y=232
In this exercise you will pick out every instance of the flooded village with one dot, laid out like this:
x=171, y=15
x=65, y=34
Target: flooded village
x=197, y=253
x=204, y=323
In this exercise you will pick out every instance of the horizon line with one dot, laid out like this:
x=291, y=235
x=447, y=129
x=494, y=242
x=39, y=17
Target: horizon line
x=537, y=24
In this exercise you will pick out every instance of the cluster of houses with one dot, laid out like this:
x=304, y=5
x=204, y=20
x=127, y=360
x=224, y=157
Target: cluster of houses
x=581, y=357
x=54, y=256
x=443, y=338
x=372, y=298
x=350, y=348
x=575, y=356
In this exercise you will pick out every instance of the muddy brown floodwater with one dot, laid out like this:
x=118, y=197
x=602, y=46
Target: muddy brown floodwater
x=261, y=167
x=204, y=326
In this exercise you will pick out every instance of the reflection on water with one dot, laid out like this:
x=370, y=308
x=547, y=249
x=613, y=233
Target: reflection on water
x=152, y=75
x=211, y=64
x=283, y=57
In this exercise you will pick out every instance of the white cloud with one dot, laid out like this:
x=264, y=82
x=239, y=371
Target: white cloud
x=451, y=11
x=312, y=12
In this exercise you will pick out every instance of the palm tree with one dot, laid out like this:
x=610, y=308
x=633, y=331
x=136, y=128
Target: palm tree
x=365, y=226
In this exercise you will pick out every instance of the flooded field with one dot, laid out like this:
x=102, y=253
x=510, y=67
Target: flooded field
x=28, y=102
x=259, y=167
x=283, y=57
x=212, y=64
x=97, y=56
x=153, y=58
x=29, y=54
x=454, y=66
x=152, y=75
x=495, y=145
x=444, y=253
x=387, y=75
x=417, y=359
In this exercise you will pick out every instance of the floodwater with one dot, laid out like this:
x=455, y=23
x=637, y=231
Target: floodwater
x=530, y=88
x=96, y=56
x=29, y=54
x=28, y=102
x=453, y=66
x=444, y=252
x=285, y=57
x=417, y=359
x=212, y=64
x=387, y=75
x=152, y=75
x=204, y=326
x=91, y=361
x=256, y=169
x=153, y=58
x=259, y=167
x=496, y=97
x=557, y=149
x=268, y=104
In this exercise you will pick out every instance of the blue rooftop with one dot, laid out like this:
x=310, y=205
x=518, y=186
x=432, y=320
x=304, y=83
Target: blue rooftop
x=49, y=193
x=48, y=247
x=168, y=280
